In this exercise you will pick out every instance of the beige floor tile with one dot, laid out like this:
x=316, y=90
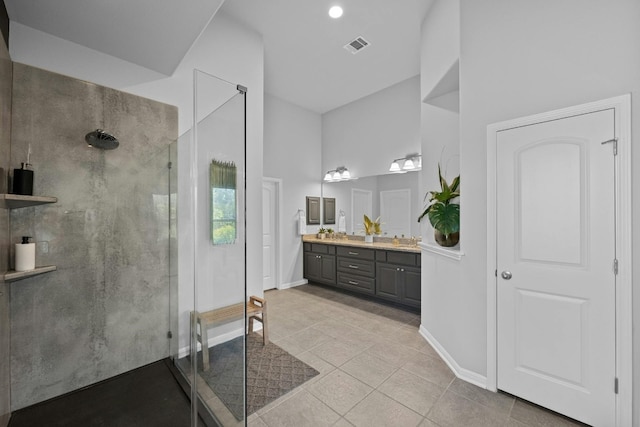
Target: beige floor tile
x=410, y=337
x=455, y=410
x=278, y=401
x=301, y=410
x=394, y=354
x=343, y=423
x=308, y=338
x=369, y=369
x=428, y=423
x=339, y=391
x=255, y=422
x=513, y=423
x=336, y=352
x=535, y=416
x=430, y=368
x=412, y=391
x=290, y=345
x=381, y=411
x=499, y=401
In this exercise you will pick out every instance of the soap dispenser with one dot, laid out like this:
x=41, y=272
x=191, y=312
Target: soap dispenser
x=25, y=255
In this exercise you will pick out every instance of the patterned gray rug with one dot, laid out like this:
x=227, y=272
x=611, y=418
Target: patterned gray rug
x=271, y=372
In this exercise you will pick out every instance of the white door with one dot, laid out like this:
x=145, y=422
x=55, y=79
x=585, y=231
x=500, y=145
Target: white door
x=395, y=212
x=555, y=254
x=361, y=204
x=269, y=230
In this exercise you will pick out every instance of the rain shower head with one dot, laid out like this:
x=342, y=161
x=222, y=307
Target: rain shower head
x=101, y=139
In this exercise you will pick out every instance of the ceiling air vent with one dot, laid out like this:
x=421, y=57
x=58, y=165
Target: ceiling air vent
x=356, y=45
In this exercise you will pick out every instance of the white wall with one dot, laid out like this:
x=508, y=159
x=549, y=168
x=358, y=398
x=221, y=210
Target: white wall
x=292, y=153
x=518, y=59
x=367, y=134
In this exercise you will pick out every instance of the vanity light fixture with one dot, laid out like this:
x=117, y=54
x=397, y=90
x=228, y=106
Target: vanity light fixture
x=335, y=12
x=338, y=174
x=412, y=162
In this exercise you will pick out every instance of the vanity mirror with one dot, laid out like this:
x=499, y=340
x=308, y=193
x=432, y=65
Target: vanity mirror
x=395, y=198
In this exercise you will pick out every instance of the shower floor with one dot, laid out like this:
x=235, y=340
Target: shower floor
x=147, y=396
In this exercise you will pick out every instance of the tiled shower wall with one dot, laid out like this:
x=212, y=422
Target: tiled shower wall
x=106, y=310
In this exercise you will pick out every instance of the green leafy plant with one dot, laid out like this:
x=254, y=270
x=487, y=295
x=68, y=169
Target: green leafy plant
x=372, y=227
x=322, y=230
x=444, y=215
x=329, y=230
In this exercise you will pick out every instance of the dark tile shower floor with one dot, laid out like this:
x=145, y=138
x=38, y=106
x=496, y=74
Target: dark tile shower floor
x=147, y=396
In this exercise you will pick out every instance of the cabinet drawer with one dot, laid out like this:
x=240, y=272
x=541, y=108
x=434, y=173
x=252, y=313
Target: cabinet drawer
x=358, y=253
x=356, y=283
x=356, y=266
x=320, y=248
x=402, y=258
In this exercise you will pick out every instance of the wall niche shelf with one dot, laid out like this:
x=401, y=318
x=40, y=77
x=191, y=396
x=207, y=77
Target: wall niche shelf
x=12, y=275
x=15, y=201
x=453, y=253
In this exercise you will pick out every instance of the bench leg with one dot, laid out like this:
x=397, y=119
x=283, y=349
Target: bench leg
x=204, y=340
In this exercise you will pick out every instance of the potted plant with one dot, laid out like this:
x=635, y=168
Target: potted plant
x=330, y=233
x=371, y=228
x=444, y=215
x=322, y=233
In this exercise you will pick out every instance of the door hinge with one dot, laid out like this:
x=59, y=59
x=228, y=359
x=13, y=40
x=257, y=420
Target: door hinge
x=615, y=267
x=169, y=165
x=615, y=385
x=613, y=141
x=169, y=335
x=495, y=273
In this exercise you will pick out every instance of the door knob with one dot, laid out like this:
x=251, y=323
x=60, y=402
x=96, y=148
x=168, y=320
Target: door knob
x=506, y=275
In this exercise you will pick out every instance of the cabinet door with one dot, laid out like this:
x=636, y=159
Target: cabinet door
x=312, y=266
x=411, y=286
x=328, y=269
x=387, y=281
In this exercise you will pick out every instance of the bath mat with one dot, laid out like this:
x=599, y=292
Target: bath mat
x=271, y=372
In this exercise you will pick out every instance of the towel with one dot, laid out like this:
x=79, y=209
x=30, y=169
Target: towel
x=342, y=223
x=302, y=223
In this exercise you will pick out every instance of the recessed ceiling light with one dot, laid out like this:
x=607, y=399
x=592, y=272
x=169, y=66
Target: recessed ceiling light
x=335, y=12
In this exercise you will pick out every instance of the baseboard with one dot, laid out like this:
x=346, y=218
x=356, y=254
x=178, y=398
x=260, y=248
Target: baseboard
x=293, y=284
x=460, y=372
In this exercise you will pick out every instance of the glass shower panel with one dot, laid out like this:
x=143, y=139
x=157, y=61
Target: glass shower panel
x=215, y=320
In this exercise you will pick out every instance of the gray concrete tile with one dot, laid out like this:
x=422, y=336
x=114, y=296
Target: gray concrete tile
x=336, y=352
x=430, y=368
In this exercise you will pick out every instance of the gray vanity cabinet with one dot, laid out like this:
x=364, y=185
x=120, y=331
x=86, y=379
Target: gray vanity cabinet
x=385, y=274
x=320, y=263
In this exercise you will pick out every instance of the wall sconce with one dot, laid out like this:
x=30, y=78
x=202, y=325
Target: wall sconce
x=412, y=162
x=338, y=174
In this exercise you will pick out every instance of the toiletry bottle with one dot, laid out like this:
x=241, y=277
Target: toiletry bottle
x=25, y=255
x=23, y=180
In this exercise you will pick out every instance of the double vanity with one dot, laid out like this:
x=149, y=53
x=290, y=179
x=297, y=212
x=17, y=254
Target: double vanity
x=381, y=270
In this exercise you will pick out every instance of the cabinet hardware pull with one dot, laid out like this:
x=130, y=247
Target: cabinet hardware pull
x=353, y=253
x=353, y=266
x=351, y=282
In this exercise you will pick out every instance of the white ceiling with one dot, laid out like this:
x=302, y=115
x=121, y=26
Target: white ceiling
x=305, y=62
x=155, y=34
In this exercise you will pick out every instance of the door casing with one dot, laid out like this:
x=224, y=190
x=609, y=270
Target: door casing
x=624, y=338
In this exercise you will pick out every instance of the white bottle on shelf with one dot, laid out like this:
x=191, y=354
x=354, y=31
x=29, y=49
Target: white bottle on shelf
x=25, y=255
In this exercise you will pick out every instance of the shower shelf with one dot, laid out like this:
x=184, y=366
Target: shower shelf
x=12, y=275
x=14, y=201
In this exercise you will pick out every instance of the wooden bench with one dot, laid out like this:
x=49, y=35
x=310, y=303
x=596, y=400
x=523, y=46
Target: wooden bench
x=256, y=309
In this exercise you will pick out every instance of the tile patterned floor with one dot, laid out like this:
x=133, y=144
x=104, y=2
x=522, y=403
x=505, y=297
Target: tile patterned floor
x=375, y=370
